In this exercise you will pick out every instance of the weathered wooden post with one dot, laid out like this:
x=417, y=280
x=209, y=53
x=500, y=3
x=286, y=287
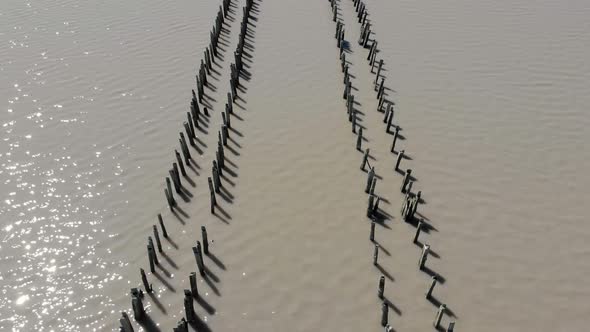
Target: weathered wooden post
x=418, y=229
x=161, y=221
x=400, y=155
x=212, y=194
x=451, y=327
x=424, y=256
x=365, y=159
x=439, y=314
x=153, y=250
x=193, y=283
x=205, y=240
x=381, y=287
x=372, y=233
x=146, y=284
x=373, y=186
x=376, y=206
x=180, y=164
x=378, y=71
x=157, y=237
x=389, y=121
x=189, y=309
x=187, y=154
x=370, y=206
x=376, y=254
x=395, y=133
x=175, y=181
x=405, y=181
x=169, y=186
x=384, y=313
x=359, y=139
x=197, y=259
x=138, y=309
x=370, y=177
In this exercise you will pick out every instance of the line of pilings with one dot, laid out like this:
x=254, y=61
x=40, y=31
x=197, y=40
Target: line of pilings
x=411, y=200
x=178, y=170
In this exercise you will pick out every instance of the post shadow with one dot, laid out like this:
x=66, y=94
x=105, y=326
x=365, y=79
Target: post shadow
x=148, y=324
x=385, y=272
x=205, y=305
x=157, y=303
x=216, y=260
x=165, y=282
x=431, y=273
x=393, y=306
x=169, y=260
x=172, y=243
x=212, y=286
x=199, y=325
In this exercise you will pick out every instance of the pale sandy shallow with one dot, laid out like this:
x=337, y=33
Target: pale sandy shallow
x=493, y=103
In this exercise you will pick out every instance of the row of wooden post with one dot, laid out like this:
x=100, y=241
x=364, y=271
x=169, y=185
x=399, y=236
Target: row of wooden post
x=178, y=169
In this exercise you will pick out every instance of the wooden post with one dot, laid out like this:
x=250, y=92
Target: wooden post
x=373, y=185
x=375, y=254
x=389, y=121
x=185, y=147
x=220, y=162
x=400, y=155
x=193, y=282
x=372, y=233
x=424, y=256
x=381, y=287
x=169, y=186
x=376, y=206
x=180, y=164
x=215, y=176
x=439, y=314
x=451, y=327
x=151, y=247
x=378, y=71
x=212, y=194
x=191, y=126
x=384, y=313
x=175, y=181
x=370, y=176
x=370, y=206
x=418, y=229
x=196, y=253
x=395, y=133
x=162, y=226
x=406, y=180
x=151, y=259
x=205, y=240
x=188, y=133
x=365, y=159
x=189, y=309
x=354, y=121
x=146, y=284
x=200, y=254
x=359, y=139
x=168, y=199
x=157, y=237
x=176, y=173
x=138, y=310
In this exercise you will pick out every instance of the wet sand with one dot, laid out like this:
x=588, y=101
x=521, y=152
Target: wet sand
x=491, y=102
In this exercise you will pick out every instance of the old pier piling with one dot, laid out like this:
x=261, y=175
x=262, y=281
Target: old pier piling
x=381, y=287
x=193, y=283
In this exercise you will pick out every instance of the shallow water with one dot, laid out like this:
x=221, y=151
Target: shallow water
x=492, y=101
